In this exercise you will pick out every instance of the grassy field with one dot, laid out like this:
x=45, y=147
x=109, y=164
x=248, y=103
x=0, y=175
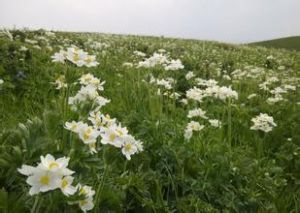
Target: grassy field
x=290, y=43
x=178, y=125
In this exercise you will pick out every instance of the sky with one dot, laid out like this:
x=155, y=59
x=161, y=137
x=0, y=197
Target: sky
x=234, y=21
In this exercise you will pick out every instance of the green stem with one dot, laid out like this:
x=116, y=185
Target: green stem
x=229, y=123
x=35, y=205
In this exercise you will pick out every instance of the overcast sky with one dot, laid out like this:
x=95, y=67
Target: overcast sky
x=223, y=20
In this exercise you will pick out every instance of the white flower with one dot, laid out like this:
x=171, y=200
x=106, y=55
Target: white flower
x=59, y=166
x=1, y=81
x=129, y=147
x=251, y=96
x=113, y=135
x=90, y=61
x=192, y=126
x=154, y=60
x=101, y=101
x=23, y=49
x=174, y=65
x=86, y=204
x=215, y=123
x=195, y=94
x=74, y=126
x=43, y=181
x=127, y=64
x=226, y=92
x=166, y=84
x=76, y=56
x=66, y=187
x=197, y=112
x=263, y=122
x=88, y=134
x=59, y=56
x=99, y=120
x=189, y=75
x=139, y=53
x=27, y=170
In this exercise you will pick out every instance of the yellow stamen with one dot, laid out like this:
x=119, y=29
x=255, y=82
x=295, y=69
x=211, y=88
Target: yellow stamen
x=87, y=134
x=127, y=147
x=82, y=191
x=112, y=136
x=53, y=165
x=64, y=183
x=44, y=180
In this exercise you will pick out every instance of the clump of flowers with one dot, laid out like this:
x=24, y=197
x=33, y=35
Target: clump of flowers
x=76, y=56
x=197, y=112
x=89, y=91
x=211, y=90
x=109, y=130
x=51, y=174
x=163, y=60
x=263, y=122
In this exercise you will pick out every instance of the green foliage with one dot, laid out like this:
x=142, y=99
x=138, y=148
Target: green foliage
x=210, y=173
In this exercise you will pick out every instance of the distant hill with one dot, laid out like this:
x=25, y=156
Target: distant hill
x=291, y=43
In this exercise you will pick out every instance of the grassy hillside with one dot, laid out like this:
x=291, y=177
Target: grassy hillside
x=291, y=43
x=178, y=125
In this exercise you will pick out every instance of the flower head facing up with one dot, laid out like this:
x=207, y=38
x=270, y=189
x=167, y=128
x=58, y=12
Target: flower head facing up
x=263, y=122
x=76, y=56
x=48, y=175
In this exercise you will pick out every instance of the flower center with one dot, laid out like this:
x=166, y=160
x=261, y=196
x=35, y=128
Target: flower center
x=64, y=183
x=112, y=137
x=53, y=165
x=128, y=147
x=44, y=180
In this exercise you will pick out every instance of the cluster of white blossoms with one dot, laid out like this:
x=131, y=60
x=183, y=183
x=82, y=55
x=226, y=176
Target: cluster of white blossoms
x=197, y=112
x=196, y=126
x=165, y=87
x=211, y=90
x=51, y=174
x=89, y=91
x=76, y=56
x=248, y=72
x=96, y=45
x=277, y=93
x=263, y=122
x=109, y=130
x=162, y=60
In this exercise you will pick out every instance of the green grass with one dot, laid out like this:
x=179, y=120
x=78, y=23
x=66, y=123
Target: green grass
x=227, y=169
x=290, y=43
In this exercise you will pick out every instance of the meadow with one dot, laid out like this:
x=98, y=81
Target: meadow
x=110, y=123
